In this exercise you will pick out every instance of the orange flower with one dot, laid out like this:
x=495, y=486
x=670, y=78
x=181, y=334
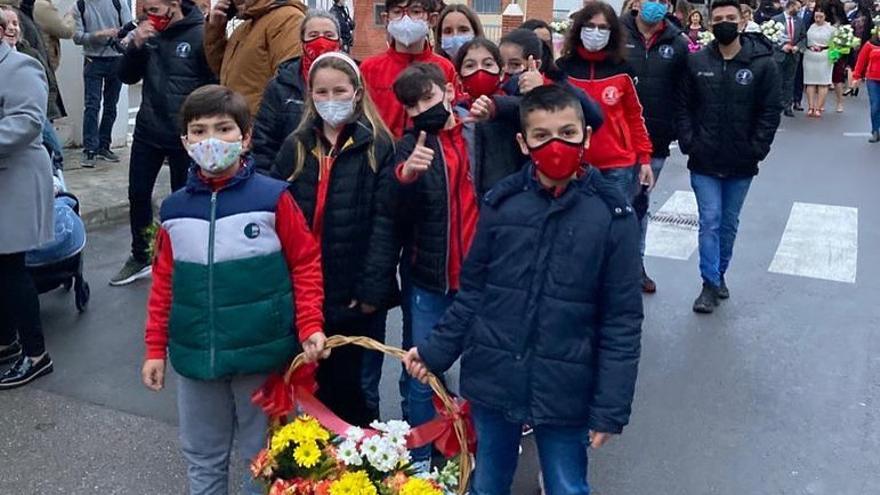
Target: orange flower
x=263, y=465
x=280, y=487
x=323, y=488
x=397, y=481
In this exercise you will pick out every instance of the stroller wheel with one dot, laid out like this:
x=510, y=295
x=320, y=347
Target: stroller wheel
x=83, y=293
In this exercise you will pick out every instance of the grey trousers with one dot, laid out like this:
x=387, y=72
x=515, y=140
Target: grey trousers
x=211, y=414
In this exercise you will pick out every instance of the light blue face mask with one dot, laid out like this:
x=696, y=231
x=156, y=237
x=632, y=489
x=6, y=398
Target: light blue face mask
x=452, y=44
x=653, y=12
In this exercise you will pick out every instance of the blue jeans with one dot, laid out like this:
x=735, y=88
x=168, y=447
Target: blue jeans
x=371, y=374
x=626, y=180
x=656, y=167
x=719, y=202
x=101, y=80
x=427, y=307
x=874, y=96
x=562, y=451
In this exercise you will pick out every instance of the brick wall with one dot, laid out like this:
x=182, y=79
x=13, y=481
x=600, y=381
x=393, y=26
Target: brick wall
x=369, y=38
x=539, y=9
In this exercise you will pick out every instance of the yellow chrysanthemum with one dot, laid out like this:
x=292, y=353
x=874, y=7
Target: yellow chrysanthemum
x=307, y=429
x=418, y=486
x=307, y=455
x=356, y=483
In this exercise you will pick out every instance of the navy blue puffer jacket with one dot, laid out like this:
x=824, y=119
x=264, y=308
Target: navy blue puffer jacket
x=548, y=320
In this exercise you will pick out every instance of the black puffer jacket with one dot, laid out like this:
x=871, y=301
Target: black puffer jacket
x=172, y=65
x=548, y=321
x=359, y=250
x=729, y=110
x=280, y=113
x=657, y=71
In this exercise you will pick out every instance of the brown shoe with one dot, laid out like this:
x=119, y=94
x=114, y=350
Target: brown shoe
x=648, y=285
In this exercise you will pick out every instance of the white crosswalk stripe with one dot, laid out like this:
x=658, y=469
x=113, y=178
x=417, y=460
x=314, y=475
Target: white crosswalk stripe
x=672, y=231
x=820, y=241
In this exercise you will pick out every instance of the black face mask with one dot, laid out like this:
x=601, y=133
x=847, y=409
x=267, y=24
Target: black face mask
x=725, y=32
x=432, y=119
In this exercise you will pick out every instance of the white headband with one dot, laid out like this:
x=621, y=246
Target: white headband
x=341, y=56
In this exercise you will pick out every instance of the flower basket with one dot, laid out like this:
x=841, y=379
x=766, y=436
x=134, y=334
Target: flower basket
x=317, y=453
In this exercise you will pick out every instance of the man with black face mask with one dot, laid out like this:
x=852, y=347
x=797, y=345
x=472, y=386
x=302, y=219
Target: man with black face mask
x=657, y=53
x=729, y=106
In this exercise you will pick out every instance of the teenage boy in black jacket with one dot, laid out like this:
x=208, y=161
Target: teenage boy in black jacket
x=729, y=106
x=548, y=318
x=657, y=53
x=166, y=53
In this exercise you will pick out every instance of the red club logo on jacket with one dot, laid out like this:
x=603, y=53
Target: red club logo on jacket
x=610, y=95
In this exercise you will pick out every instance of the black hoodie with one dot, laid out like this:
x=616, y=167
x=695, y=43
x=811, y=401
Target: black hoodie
x=172, y=65
x=657, y=70
x=729, y=109
x=280, y=111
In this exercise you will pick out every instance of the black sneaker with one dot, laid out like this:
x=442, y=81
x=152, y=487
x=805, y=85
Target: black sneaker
x=10, y=353
x=132, y=270
x=24, y=371
x=708, y=300
x=108, y=156
x=648, y=284
x=723, y=292
x=875, y=137
x=88, y=159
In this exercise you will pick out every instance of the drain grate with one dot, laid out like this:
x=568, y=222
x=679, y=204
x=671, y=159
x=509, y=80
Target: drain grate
x=679, y=219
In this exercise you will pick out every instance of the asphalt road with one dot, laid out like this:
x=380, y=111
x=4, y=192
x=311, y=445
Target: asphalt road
x=776, y=393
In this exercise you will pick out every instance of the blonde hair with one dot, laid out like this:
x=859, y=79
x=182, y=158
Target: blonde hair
x=364, y=107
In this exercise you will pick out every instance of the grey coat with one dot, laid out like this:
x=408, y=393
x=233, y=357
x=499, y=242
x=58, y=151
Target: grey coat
x=26, y=195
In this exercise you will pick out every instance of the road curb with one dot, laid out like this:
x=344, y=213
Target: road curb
x=110, y=215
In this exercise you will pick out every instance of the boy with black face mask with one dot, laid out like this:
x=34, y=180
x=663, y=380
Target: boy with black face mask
x=728, y=112
x=548, y=318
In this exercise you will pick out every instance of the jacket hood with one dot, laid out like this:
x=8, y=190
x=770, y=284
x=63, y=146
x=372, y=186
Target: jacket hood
x=359, y=133
x=290, y=74
x=257, y=8
x=754, y=45
x=191, y=17
x=669, y=32
x=194, y=183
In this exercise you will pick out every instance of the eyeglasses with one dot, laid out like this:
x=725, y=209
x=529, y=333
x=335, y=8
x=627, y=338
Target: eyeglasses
x=415, y=12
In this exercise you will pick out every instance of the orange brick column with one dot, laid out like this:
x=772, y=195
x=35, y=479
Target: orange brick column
x=511, y=18
x=369, y=38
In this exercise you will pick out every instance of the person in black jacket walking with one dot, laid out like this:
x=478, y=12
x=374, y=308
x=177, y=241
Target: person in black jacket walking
x=346, y=24
x=338, y=163
x=657, y=55
x=729, y=106
x=548, y=318
x=281, y=109
x=166, y=53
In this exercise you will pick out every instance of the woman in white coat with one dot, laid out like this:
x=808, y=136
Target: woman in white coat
x=817, y=66
x=26, y=212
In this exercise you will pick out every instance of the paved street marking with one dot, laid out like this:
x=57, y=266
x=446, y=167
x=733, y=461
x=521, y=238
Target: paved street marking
x=856, y=134
x=672, y=231
x=820, y=241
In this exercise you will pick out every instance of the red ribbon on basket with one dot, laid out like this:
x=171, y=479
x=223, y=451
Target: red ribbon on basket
x=441, y=430
x=277, y=398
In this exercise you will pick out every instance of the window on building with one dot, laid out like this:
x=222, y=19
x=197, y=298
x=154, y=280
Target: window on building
x=487, y=6
x=378, y=10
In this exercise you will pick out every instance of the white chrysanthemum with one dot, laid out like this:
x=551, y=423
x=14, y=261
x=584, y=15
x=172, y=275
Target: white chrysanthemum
x=354, y=434
x=348, y=453
x=371, y=445
x=381, y=454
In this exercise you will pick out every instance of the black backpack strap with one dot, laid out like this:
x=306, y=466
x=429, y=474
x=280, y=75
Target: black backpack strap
x=81, y=6
x=118, y=6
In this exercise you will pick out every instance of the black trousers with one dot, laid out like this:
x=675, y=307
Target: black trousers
x=798, y=95
x=143, y=169
x=19, y=306
x=788, y=71
x=340, y=382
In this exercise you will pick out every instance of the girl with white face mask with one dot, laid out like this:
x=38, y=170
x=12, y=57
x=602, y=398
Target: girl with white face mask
x=594, y=62
x=338, y=162
x=456, y=25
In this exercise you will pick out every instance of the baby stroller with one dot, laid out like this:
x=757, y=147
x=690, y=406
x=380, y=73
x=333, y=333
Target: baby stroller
x=59, y=263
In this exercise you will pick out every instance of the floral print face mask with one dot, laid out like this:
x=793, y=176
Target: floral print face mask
x=214, y=155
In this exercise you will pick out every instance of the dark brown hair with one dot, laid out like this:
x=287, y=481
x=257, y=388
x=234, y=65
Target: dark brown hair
x=417, y=81
x=492, y=48
x=463, y=9
x=214, y=100
x=582, y=17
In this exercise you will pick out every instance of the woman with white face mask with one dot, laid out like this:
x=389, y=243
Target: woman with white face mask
x=456, y=25
x=338, y=163
x=593, y=59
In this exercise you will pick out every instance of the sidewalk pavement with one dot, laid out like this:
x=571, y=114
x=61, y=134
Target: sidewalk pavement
x=103, y=190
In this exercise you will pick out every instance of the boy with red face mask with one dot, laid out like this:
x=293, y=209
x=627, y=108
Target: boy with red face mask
x=547, y=320
x=281, y=108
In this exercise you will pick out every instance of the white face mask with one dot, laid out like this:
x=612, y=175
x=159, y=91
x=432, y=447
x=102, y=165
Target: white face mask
x=408, y=31
x=595, y=39
x=335, y=112
x=214, y=155
x=452, y=44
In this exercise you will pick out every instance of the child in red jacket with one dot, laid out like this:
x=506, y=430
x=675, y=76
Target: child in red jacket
x=868, y=68
x=233, y=258
x=408, y=23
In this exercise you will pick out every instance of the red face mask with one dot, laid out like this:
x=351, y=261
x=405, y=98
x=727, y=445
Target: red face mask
x=558, y=159
x=314, y=49
x=160, y=22
x=481, y=83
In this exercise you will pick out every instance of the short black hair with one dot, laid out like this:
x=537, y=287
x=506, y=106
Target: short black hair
x=533, y=24
x=417, y=81
x=717, y=4
x=527, y=40
x=478, y=42
x=789, y=3
x=214, y=100
x=429, y=5
x=550, y=98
